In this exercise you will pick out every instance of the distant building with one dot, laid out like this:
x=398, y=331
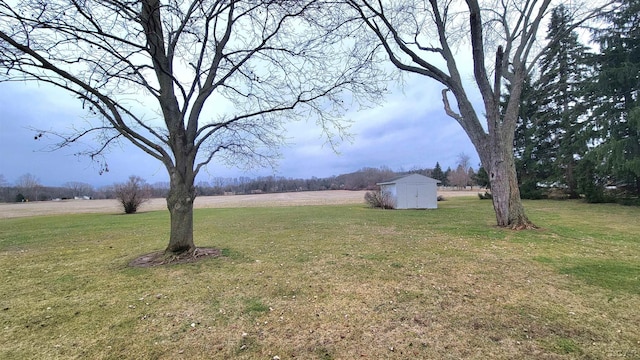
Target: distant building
x=412, y=191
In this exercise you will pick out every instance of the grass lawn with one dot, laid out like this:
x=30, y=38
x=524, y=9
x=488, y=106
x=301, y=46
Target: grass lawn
x=327, y=282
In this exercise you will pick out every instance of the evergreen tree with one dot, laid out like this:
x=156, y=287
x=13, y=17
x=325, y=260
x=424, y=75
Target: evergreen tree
x=531, y=163
x=445, y=177
x=616, y=115
x=438, y=174
x=481, y=178
x=559, y=98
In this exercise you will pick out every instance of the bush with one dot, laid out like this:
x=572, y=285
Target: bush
x=629, y=201
x=557, y=194
x=379, y=199
x=132, y=194
x=530, y=190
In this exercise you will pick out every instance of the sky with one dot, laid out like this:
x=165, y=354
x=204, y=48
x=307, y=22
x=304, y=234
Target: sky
x=408, y=130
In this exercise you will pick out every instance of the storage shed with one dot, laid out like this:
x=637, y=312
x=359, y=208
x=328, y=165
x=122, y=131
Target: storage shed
x=412, y=191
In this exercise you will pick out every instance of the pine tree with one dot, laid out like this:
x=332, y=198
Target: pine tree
x=482, y=178
x=616, y=116
x=531, y=164
x=438, y=174
x=558, y=96
x=445, y=177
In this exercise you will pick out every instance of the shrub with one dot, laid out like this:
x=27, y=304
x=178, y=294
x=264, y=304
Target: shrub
x=529, y=190
x=132, y=194
x=379, y=199
x=557, y=194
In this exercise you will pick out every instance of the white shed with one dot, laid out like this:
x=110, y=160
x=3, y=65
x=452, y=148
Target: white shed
x=412, y=191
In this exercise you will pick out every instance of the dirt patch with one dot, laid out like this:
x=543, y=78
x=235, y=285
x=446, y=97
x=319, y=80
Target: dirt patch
x=159, y=258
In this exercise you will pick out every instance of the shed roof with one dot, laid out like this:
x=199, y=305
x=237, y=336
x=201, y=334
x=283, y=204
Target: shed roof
x=409, y=178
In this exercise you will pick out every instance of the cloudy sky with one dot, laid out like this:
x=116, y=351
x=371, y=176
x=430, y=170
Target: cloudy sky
x=408, y=130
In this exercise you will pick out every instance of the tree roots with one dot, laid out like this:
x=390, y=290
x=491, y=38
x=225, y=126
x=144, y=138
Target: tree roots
x=160, y=258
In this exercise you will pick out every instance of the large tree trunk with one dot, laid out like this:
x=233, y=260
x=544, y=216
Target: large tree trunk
x=496, y=155
x=517, y=219
x=180, y=203
x=504, y=181
x=506, y=194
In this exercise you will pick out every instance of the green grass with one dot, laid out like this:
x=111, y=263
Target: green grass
x=327, y=282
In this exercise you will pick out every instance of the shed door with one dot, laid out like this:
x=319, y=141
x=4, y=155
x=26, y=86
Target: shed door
x=415, y=197
x=410, y=198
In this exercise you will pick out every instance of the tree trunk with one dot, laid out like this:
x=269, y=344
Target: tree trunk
x=517, y=220
x=496, y=156
x=500, y=185
x=180, y=204
x=504, y=186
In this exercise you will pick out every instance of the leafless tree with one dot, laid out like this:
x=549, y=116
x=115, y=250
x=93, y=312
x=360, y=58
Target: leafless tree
x=132, y=194
x=78, y=188
x=464, y=161
x=30, y=185
x=496, y=40
x=4, y=188
x=188, y=81
x=459, y=177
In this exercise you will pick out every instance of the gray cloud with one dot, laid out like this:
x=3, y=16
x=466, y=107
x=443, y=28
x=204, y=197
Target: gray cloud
x=409, y=130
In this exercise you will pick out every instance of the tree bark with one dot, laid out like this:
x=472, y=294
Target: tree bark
x=180, y=203
x=499, y=180
x=518, y=220
x=503, y=176
x=505, y=191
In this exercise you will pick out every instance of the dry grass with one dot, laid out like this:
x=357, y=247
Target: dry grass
x=303, y=198
x=327, y=282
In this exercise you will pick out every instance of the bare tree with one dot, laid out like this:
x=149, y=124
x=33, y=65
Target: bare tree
x=496, y=39
x=4, y=188
x=464, y=161
x=30, y=185
x=189, y=80
x=132, y=194
x=459, y=177
x=78, y=188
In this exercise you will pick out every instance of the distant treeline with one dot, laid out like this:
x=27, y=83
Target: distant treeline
x=363, y=179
